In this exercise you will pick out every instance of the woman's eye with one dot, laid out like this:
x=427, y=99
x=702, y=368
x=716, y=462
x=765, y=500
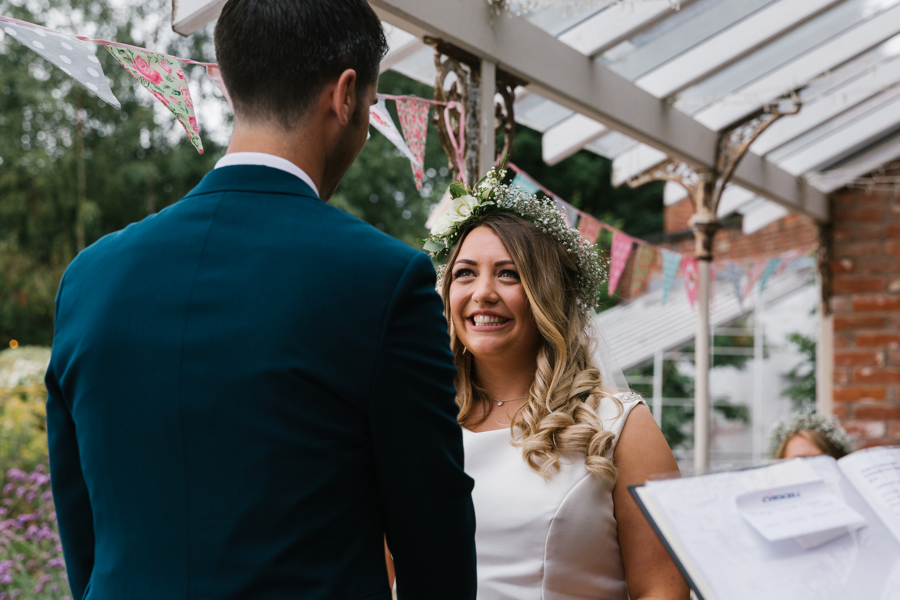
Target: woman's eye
x=509, y=273
x=463, y=273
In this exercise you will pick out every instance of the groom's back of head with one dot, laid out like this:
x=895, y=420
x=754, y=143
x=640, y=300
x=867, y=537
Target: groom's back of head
x=276, y=56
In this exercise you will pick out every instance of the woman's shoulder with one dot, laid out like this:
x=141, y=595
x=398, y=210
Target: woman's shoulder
x=614, y=408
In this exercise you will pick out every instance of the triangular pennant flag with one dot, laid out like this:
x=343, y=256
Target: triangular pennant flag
x=770, y=269
x=671, y=262
x=213, y=72
x=164, y=80
x=754, y=271
x=734, y=273
x=414, y=123
x=589, y=227
x=621, y=249
x=642, y=261
x=691, y=276
x=570, y=211
x=787, y=258
x=69, y=54
x=380, y=119
x=524, y=183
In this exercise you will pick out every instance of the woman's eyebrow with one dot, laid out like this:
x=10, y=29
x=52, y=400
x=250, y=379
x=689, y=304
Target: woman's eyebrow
x=504, y=262
x=465, y=261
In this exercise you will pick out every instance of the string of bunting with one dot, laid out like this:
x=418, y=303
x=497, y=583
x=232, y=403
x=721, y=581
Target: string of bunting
x=163, y=76
x=743, y=274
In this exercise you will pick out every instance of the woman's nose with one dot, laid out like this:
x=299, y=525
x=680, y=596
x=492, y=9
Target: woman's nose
x=485, y=290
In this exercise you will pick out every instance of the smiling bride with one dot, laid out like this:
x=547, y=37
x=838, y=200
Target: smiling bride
x=551, y=449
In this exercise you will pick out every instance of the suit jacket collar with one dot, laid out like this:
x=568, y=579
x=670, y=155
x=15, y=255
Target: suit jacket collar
x=254, y=179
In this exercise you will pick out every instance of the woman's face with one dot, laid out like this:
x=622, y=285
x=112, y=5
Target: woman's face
x=490, y=310
x=798, y=446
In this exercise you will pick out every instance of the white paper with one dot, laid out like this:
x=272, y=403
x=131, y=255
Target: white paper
x=739, y=564
x=876, y=474
x=780, y=474
x=796, y=510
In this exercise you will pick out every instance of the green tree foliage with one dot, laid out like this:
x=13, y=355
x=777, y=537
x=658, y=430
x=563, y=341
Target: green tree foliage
x=802, y=391
x=137, y=160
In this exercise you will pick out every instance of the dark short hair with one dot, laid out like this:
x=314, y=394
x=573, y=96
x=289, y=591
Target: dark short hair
x=276, y=56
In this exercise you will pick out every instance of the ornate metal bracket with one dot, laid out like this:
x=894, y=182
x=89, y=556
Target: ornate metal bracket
x=705, y=188
x=465, y=91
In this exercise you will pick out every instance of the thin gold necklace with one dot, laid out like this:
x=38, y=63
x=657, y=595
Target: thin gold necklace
x=500, y=402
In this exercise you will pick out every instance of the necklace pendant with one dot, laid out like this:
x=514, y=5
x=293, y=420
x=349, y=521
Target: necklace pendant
x=499, y=404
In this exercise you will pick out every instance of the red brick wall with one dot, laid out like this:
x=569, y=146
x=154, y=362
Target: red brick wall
x=793, y=231
x=865, y=246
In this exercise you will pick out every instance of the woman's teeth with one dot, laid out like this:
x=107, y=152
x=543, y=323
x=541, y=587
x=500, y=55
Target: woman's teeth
x=488, y=320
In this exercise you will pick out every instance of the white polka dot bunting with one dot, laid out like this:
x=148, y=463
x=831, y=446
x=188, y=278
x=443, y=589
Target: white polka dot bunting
x=68, y=54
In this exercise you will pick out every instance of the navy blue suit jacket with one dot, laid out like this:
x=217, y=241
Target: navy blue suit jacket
x=247, y=392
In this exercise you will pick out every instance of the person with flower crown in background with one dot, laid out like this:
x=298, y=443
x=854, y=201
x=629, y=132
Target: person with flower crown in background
x=809, y=434
x=251, y=390
x=552, y=445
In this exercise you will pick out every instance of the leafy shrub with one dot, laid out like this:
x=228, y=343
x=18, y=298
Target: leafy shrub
x=23, y=422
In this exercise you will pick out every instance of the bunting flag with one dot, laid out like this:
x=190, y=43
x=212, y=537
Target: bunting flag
x=621, y=250
x=213, y=72
x=380, y=119
x=771, y=266
x=570, y=211
x=642, y=261
x=691, y=276
x=735, y=274
x=164, y=80
x=413, y=116
x=524, y=183
x=754, y=271
x=671, y=262
x=68, y=54
x=589, y=227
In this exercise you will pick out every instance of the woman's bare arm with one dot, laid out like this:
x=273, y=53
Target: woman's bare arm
x=641, y=452
x=390, y=564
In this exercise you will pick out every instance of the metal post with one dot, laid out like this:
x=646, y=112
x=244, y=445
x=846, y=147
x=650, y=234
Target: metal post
x=824, y=356
x=658, y=386
x=487, y=125
x=701, y=377
x=756, y=420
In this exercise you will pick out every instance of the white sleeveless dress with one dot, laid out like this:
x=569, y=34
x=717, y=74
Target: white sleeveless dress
x=535, y=539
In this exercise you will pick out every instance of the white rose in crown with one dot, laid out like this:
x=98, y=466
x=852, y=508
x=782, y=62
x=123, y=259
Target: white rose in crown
x=442, y=226
x=461, y=208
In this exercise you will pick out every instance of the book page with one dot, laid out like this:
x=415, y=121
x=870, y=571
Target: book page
x=735, y=562
x=876, y=475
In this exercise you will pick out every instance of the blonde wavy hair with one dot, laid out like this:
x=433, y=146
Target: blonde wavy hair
x=560, y=414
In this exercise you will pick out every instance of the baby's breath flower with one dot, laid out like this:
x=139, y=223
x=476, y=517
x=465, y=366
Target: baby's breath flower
x=491, y=195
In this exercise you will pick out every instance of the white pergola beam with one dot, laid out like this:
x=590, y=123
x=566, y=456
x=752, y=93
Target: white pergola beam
x=729, y=45
x=829, y=106
x=402, y=46
x=565, y=139
x=845, y=140
x=564, y=75
x=807, y=67
x=614, y=25
x=880, y=154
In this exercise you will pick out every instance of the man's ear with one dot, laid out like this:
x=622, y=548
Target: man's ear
x=343, y=100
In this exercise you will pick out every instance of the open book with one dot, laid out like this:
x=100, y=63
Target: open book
x=726, y=555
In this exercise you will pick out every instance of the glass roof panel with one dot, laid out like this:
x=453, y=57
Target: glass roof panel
x=675, y=34
x=539, y=113
x=847, y=119
x=611, y=145
x=797, y=42
x=554, y=20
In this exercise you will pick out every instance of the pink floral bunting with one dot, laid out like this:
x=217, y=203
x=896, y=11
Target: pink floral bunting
x=589, y=227
x=166, y=81
x=691, y=275
x=413, y=116
x=642, y=261
x=621, y=250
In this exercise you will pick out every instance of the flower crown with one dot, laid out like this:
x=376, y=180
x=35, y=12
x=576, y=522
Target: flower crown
x=793, y=423
x=490, y=195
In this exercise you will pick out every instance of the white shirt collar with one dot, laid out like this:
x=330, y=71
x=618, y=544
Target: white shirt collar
x=266, y=160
